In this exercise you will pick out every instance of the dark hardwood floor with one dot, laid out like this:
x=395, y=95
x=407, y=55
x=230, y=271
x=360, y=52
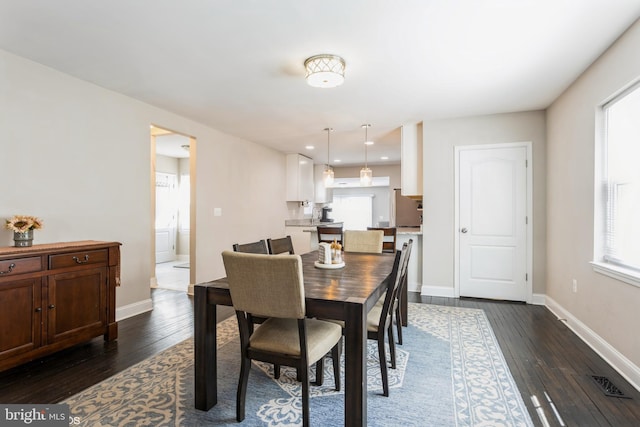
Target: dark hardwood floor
x=542, y=353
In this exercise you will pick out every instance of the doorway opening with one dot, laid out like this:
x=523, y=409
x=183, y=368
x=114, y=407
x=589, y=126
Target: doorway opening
x=172, y=176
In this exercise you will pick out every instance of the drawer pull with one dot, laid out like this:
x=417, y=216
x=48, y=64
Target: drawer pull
x=38, y=310
x=79, y=261
x=11, y=267
x=52, y=306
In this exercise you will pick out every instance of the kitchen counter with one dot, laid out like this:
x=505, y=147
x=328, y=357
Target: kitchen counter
x=409, y=230
x=307, y=222
x=304, y=233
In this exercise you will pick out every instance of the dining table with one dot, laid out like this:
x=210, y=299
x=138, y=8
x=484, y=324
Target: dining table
x=346, y=294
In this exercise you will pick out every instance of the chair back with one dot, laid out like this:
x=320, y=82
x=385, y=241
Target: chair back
x=265, y=285
x=389, y=242
x=367, y=241
x=329, y=234
x=280, y=246
x=393, y=286
x=404, y=267
x=259, y=247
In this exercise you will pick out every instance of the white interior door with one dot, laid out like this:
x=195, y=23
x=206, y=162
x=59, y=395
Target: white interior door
x=492, y=223
x=166, y=217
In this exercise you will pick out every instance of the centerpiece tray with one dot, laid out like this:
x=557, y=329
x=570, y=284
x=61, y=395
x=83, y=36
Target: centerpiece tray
x=329, y=266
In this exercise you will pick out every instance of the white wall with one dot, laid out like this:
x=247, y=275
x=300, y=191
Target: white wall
x=78, y=156
x=604, y=306
x=439, y=139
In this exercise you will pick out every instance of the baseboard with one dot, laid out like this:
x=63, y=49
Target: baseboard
x=438, y=291
x=613, y=357
x=134, y=309
x=190, y=289
x=153, y=282
x=414, y=286
x=539, y=299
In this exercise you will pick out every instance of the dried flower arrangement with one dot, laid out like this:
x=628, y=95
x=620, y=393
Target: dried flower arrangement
x=23, y=223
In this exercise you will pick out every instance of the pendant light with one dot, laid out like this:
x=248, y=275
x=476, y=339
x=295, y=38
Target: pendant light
x=366, y=175
x=327, y=175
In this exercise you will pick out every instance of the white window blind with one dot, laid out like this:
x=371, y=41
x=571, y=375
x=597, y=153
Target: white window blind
x=621, y=180
x=355, y=211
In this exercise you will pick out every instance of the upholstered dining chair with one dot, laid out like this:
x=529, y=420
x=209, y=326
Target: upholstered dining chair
x=280, y=246
x=368, y=241
x=329, y=234
x=273, y=287
x=389, y=241
x=259, y=247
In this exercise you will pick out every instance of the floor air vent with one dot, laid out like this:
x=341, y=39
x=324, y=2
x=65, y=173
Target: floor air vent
x=608, y=388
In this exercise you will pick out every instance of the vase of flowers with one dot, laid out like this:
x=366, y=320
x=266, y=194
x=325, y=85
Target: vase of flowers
x=22, y=227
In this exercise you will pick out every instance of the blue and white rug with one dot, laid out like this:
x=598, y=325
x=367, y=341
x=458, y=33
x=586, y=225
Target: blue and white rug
x=450, y=372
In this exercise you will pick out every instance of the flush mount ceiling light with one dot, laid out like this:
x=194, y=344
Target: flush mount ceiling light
x=366, y=175
x=327, y=175
x=324, y=71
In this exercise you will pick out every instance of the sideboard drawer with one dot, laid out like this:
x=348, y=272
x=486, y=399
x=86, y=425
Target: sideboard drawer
x=9, y=267
x=74, y=259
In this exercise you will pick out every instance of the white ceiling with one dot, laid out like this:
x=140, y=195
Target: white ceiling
x=237, y=65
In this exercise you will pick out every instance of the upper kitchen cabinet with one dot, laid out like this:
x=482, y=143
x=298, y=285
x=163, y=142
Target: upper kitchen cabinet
x=323, y=194
x=299, y=178
x=411, y=160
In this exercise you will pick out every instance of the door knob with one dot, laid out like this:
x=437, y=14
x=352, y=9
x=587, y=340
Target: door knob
x=463, y=230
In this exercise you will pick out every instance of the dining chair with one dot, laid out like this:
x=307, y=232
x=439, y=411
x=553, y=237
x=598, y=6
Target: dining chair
x=397, y=304
x=259, y=247
x=396, y=310
x=389, y=241
x=380, y=322
x=329, y=234
x=368, y=241
x=280, y=246
x=273, y=287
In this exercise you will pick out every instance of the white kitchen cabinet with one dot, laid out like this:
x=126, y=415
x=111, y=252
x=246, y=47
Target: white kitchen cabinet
x=299, y=178
x=414, y=269
x=411, y=160
x=322, y=193
x=300, y=238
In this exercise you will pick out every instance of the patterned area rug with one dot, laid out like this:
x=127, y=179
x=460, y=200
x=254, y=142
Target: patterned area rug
x=450, y=372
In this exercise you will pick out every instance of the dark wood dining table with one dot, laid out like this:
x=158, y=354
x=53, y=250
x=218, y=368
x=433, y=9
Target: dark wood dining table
x=346, y=294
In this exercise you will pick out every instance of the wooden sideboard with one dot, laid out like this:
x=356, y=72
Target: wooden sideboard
x=54, y=296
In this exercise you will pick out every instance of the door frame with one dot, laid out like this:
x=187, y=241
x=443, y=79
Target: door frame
x=529, y=211
x=192, y=203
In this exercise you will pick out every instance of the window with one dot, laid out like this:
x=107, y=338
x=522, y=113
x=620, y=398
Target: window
x=355, y=211
x=619, y=197
x=184, y=202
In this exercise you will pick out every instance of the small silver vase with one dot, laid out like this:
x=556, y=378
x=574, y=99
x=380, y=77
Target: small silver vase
x=23, y=239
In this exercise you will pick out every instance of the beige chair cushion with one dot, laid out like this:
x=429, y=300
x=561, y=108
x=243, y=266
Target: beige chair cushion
x=266, y=285
x=368, y=241
x=373, y=317
x=281, y=336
